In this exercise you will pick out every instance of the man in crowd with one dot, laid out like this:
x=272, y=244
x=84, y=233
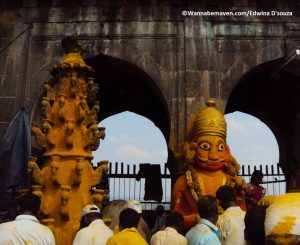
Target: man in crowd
x=93, y=230
x=160, y=221
x=255, y=225
x=26, y=229
x=231, y=222
x=170, y=235
x=128, y=235
x=143, y=227
x=206, y=232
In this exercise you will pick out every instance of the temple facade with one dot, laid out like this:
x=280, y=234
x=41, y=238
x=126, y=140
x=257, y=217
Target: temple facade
x=163, y=60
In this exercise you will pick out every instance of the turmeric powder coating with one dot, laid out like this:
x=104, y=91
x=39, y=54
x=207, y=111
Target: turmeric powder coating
x=68, y=135
x=283, y=215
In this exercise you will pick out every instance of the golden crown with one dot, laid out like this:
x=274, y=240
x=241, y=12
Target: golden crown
x=209, y=121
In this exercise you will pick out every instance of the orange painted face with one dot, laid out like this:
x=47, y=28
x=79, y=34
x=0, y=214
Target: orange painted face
x=212, y=153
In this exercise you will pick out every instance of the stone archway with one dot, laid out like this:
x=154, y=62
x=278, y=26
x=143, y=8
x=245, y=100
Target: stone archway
x=123, y=86
x=126, y=87
x=272, y=95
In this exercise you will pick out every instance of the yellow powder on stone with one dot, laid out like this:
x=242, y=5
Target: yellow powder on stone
x=284, y=226
x=286, y=199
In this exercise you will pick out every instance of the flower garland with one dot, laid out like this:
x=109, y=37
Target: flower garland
x=193, y=184
x=193, y=181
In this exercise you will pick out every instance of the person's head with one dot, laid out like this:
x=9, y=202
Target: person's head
x=208, y=208
x=175, y=220
x=226, y=196
x=128, y=218
x=254, y=225
x=160, y=209
x=135, y=205
x=29, y=204
x=88, y=214
x=256, y=177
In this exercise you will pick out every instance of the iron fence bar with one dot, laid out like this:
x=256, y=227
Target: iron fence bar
x=117, y=173
x=128, y=171
x=116, y=168
x=273, y=177
x=140, y=187
x=114, y=187
x=134, y=172
x=267, y=178
x=275, y=181
x=124, y=179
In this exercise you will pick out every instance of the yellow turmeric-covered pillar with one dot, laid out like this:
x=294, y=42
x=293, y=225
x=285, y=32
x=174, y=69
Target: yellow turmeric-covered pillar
x=68, y=134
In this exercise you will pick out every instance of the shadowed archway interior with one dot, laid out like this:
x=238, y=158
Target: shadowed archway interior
x=125, y=87
x=272, y=95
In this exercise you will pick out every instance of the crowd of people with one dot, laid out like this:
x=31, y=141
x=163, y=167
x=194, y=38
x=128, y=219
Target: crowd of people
x=277, y=224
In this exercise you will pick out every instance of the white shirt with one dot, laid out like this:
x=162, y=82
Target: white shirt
x=231, y=224
x=97, y=233
x=168, y=236
x=25, y=229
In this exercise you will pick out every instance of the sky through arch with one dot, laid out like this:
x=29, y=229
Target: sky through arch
x=132, y=139
x=250, y=140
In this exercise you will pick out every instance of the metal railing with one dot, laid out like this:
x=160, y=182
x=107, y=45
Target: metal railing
x=123, y=183
x=274, y=179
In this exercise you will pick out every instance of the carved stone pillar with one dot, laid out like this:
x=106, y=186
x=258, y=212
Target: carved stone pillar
x=68, y=135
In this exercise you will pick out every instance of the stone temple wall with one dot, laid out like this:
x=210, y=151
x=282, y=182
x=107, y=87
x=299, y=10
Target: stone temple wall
x=189, y=58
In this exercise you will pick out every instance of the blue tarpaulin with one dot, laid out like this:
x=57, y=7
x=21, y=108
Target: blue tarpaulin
x=15, y=148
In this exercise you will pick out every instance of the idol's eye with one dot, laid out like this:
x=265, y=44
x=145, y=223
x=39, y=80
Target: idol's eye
x=221, y=147
x=204, y=146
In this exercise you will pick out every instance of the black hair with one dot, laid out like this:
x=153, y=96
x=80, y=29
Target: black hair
x=129, y=218
x=89, y=218
x=226, y=194
x=94, y=215
x=174, y=219
x=254, y=225
x=207, y=206
x=160, y=208
x=29, y=203
x=257, y=173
